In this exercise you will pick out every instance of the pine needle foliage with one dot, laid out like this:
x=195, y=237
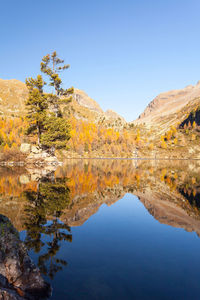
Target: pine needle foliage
x=53, y=131
x=51, y=66
x=37, y=106
x=56, y=134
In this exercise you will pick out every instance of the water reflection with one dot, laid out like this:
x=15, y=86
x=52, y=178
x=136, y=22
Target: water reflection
x=47, y=206
x=48, y=201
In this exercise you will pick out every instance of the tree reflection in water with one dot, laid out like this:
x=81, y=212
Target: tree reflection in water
x=169, y=190
x=43, y=210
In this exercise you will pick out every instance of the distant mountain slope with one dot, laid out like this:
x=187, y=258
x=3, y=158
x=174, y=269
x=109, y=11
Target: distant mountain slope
x=85, y=108
x=12, y=97
x=84, y=100
x=110, y=114
x=13, y=94
x=167, y=104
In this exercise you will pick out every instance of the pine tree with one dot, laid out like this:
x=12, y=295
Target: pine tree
x=36, y=105
x=52, y=130
x=52, y=65
x=57, y=133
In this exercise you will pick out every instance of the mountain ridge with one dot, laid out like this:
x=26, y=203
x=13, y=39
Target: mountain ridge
x=167, y=103
x=13, y=94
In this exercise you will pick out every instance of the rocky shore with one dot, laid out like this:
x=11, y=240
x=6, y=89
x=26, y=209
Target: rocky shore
x=19, y=277
x=35, y=155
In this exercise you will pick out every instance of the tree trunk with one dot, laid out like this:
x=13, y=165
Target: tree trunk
x=53, y=149
x=56, y=108
x=38, y=134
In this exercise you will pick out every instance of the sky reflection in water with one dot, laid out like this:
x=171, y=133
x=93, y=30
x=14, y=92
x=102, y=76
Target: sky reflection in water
x=119, y=232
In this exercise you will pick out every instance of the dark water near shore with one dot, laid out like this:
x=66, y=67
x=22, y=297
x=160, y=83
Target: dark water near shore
x=106, y=229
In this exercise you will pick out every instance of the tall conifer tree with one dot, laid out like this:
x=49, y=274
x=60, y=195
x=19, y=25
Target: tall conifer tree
x=52, y=130
x=37, y=106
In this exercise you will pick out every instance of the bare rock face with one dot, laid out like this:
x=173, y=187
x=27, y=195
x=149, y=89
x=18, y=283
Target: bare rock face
x=25, y=148
x=37, y=156
x=168, y=103
x=110, y=114
x=84, y=100
x=36, y=149
x=90, y=110
x=19, y=277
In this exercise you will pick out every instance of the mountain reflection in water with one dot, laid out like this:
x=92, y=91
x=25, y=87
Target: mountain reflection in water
x=46, y=207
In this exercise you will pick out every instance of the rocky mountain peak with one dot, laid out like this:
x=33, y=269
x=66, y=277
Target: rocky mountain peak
x=84, y=100
x=110, y=114
x=168, y=103
x=13, y=94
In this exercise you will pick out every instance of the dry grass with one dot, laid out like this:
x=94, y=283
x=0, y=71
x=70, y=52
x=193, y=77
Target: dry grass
x=12, y=155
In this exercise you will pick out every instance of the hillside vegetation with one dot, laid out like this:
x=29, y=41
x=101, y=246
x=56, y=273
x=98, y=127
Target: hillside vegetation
x=169, y=126
x=93, y=132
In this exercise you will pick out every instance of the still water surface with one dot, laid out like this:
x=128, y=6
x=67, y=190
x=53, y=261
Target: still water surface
x=110, y=229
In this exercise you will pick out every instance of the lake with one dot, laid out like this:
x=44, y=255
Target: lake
x=110, y=229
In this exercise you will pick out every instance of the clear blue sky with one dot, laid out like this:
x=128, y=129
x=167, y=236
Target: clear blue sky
x=122, y=52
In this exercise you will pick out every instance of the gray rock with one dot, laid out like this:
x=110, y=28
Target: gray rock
x=24, y=179
x=19, y=277
x=7, y=294
x=25, y=148
x=36, y=150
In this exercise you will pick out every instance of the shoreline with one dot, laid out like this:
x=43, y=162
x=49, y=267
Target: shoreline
x=44, y=164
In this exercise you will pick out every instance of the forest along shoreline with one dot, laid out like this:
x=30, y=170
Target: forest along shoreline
x=36, y=156
x=43, y=128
